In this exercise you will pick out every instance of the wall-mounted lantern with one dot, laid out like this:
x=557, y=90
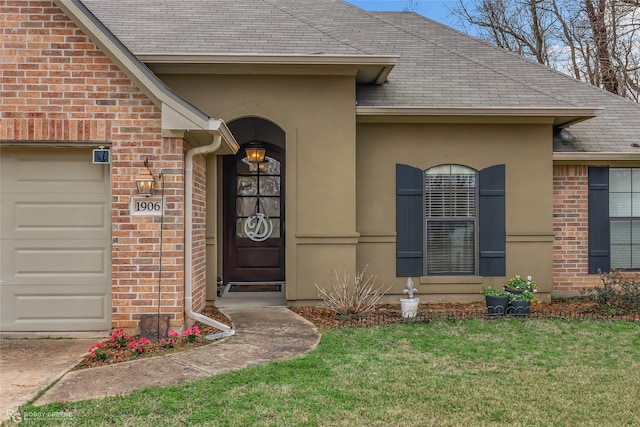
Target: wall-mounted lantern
x=145, y=181
x=255, y=152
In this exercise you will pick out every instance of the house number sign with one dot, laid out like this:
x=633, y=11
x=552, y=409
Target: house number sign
x=146, y=206
x=258, y=227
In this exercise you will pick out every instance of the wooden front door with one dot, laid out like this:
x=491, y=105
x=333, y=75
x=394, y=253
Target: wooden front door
x=254, y=218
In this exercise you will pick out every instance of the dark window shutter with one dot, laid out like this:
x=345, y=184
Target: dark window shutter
x=599, y=232
x=409, y=221
x=491, y=218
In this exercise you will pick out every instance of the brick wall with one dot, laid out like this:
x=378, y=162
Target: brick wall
x=570, y=223
x=57, y=86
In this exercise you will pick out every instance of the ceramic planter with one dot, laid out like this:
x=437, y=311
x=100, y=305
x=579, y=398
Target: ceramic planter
x=519, y=308
x=409, y=307
x=496, y=304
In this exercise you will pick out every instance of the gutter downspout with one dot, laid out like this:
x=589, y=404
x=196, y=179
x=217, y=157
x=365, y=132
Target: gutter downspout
x=188, y=238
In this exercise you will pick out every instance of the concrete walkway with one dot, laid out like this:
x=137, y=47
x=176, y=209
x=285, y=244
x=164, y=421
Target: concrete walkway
x=263, y=334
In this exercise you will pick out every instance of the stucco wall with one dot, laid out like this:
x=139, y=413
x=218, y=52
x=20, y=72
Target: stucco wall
x=317, y=115
x=525, y=149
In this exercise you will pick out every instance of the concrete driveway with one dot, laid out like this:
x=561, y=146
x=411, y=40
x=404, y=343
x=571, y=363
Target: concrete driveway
x=28, y=364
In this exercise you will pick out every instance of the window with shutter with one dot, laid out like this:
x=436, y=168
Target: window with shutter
x=450, y=220
x=624, y=214
x=450, y=217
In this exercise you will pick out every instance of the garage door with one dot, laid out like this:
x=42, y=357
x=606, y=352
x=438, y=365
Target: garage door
x=55, y=236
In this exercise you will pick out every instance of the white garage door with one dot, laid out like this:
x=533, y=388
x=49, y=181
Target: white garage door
x=55, y=237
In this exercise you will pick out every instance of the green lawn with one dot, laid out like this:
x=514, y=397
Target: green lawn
x=473, y=373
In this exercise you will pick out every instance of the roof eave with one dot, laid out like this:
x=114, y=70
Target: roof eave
x=561, y=117
x=369, y=68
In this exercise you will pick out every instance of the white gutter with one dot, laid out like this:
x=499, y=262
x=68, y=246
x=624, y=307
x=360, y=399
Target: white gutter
x=188, y=238
x=563, y=116
x=596, y=156
x=284, y=59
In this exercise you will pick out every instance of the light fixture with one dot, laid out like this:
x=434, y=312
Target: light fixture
x=145, y=181
x=255, y=152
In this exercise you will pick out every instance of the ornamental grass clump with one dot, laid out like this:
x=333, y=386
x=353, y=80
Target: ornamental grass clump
x=351, y=299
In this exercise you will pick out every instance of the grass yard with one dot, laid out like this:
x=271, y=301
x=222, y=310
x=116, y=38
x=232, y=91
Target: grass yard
x=471, y=373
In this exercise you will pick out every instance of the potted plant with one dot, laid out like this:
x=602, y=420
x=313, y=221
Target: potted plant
x=517, y=285
x=409, y=305
x=497, y=300
x=520, y=304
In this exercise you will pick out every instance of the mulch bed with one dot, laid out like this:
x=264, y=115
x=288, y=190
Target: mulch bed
x=118, y=355
x=384, y=314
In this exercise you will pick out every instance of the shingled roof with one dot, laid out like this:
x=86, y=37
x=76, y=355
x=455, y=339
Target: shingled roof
x=438, y=67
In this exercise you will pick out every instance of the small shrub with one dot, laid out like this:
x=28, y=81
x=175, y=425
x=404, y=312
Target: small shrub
x=351, y=300
x=619, y=292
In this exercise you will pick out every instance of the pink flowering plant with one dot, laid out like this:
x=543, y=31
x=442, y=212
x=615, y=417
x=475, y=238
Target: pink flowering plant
x=97, y=351
x=192, y=334
x=171, y=340
x=138, y=346
x=119, y=338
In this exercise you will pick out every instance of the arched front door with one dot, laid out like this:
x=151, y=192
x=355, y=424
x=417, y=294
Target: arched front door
x=254, y=217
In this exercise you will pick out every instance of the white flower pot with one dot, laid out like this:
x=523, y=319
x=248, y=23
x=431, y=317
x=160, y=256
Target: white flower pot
x=409, y=307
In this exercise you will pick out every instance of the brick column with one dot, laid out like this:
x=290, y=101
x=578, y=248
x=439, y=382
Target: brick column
x=571, y=226
x=199, y=265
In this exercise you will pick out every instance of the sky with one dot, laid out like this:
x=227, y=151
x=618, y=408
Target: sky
x=433, y=9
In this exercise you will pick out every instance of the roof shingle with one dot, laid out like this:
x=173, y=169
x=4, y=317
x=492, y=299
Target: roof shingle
x=438, y=67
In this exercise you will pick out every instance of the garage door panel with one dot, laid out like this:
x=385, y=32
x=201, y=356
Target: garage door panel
x=30, y=171
x=67, y=262
x=36, y=308
x=55, y=241
x=43, y=259
x=47, y=216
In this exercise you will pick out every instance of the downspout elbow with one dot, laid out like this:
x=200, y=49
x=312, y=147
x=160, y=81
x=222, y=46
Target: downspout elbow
x=188, y=237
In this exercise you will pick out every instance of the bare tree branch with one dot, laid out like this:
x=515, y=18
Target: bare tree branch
x=597, y=41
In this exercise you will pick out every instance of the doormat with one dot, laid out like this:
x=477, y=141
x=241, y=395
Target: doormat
x=255, y=287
